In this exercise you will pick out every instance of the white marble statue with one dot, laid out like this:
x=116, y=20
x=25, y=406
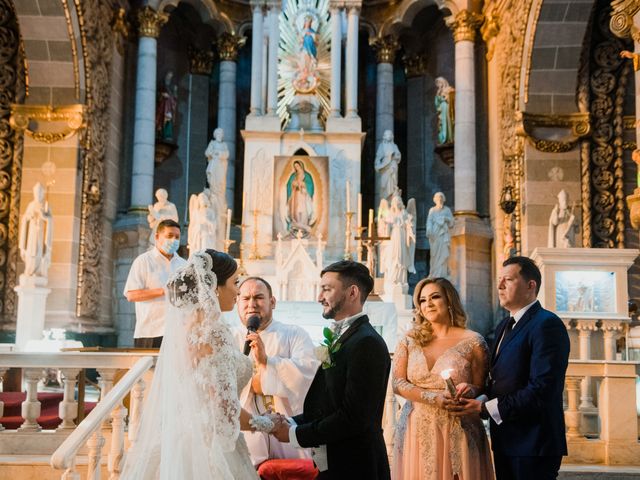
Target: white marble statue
x=203, y=222
x=163, y=209
x=399, y=254
x=217, y=154
x=444, y=102
x=36, y=235
x=439, y=222
x=562, y=223
x=386, y=164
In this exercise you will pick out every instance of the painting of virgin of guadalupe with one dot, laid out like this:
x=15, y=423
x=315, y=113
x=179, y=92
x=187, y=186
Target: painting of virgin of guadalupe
x=300, y=191
x=301, y=197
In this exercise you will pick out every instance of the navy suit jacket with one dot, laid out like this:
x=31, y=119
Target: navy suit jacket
x=527, y=377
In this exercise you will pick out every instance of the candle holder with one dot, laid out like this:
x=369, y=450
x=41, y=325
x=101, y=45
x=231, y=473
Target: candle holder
x=371, y=241
x=359, y=245
x=255, y=253
x=347, y=236
x=446, y=376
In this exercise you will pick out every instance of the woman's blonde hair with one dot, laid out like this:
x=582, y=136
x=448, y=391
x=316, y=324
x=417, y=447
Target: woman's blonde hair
x=422, y=331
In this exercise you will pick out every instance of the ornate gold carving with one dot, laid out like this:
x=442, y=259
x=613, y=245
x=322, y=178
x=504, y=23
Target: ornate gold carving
x=228, y=45
x=97, y=40
x=633, y=201
x=629, y=122
x=578, y=123
x=553, y=146
x=74, y=49
x=12, y=89
x=608, y=81
x=385, y=48
x=489, y=31
x=22, y=117
x=464, y=25
x=150, y=22
x=121, y=27
x=200, y=61
x=634, y=57
x=622, y=12
x=582, y=98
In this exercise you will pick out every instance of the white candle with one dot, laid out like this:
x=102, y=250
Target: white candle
x=348, y=196
x=228, y=234
x=446, y=376
x=359, y=211
x=370, y=232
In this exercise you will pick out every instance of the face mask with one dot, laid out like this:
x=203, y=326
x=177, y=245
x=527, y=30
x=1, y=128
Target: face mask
x=170, y=246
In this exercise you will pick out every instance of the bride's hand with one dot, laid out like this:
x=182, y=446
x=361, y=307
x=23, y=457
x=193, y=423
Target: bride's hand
x=277, y=419
x=465, y=390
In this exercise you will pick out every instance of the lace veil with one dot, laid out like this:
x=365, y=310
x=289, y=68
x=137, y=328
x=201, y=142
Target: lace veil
x=176, y=438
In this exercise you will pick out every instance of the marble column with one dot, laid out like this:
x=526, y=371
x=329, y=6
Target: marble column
x=385, y=48
x=228, y=45
x=257, y=43
x=272, y=69
x=150, y=23
x=351, y=63
x=336, y=60
x=470, y=260
x=464, y=26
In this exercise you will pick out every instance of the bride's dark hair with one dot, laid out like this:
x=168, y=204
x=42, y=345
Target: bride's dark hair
x=224, y=266
x=183, y=285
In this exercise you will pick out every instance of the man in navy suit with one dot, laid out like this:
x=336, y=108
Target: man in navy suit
x=526, y=380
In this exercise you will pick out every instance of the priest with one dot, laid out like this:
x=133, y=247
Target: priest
x=284, y=366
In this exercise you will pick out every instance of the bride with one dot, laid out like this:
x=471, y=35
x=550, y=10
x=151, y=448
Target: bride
x=190, y=427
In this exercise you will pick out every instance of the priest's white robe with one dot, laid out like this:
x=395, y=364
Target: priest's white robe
x=291, y=366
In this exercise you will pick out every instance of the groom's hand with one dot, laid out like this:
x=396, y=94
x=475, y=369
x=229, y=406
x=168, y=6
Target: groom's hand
x=464, y=407
x=281, y=431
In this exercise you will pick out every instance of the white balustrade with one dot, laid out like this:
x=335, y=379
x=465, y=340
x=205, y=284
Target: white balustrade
x=95, y=444
x=68, y=408
x=572, y=414
x=116, y=450
x=31, y=404
x=137, y=396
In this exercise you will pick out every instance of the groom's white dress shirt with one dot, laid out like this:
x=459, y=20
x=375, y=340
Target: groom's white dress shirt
x=291, y=366
x=319, y=454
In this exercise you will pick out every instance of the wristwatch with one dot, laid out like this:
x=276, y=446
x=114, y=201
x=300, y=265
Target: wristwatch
x=484, y=413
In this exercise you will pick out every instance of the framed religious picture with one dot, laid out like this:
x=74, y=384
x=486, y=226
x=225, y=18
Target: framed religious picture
x=301, y=196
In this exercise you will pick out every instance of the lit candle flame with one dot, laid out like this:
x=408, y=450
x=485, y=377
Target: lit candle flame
x=446, y=374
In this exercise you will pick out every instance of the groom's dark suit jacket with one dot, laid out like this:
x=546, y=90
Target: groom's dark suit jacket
x=527, y=377
x=343, y=407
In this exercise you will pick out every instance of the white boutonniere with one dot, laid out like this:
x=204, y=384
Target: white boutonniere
x=325, y=351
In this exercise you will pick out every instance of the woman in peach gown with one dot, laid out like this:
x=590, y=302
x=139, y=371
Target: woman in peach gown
x=430, y=444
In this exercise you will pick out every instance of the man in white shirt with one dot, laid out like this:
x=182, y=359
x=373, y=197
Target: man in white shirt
x=146, y=284
x=284, y=366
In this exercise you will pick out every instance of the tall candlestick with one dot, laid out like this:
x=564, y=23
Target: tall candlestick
x=227, y=235
x=370, y=232
x=348, y=196
x=359, y=210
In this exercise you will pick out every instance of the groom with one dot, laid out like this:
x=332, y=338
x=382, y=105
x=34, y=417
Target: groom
x=342, y=413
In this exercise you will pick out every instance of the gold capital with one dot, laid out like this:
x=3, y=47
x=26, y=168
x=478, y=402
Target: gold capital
x=385, y=48
x=66, y=120
x=150, y=22
x=228, y=45
x=622, y=13
x=200, y=61
x=489, y=31
x=464, y=25
x=414, y=65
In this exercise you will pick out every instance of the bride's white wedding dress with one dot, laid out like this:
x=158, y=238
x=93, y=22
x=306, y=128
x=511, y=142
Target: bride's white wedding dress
x=190, y=426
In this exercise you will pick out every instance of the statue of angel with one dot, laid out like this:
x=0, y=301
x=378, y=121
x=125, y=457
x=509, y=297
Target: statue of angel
x=202, y=224
x=399, y=257
x=439, y=222
x=36, y=234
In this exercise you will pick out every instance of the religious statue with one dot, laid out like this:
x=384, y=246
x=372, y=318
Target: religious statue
x=36, y=235
x=217, y=154
x=562, y=223
x=439, y=222
x=203, y=219
x=163, y=209
x=444, y=101
x=305, y=80
x=386, y=164
x=167, y=108
x=300, y=215
x=399, y=253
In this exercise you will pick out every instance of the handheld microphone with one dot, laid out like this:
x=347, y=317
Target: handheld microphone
x=252, y=326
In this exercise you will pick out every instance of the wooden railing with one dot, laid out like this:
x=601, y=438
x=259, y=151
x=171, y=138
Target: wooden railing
x=90, y=429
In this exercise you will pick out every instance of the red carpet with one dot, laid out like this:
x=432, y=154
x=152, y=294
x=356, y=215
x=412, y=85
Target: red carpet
x=49, y=402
